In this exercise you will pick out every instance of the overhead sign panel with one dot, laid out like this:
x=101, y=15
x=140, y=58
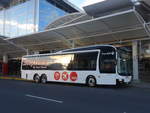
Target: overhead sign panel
x=146, y=1
x=107, y=6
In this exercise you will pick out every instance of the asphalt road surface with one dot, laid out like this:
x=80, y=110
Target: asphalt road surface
x=28, y=97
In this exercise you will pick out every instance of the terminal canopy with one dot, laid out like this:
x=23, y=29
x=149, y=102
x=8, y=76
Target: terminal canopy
x=120, y=26
x=10, y=49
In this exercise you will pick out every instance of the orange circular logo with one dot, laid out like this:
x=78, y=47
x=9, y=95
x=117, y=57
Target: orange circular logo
x=65, y=76
x=73, y=76
x=56, y=75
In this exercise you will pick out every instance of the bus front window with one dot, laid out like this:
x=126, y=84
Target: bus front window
x=124, y=63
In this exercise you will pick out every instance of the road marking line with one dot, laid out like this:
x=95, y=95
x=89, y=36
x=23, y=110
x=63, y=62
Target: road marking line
x=42, y=98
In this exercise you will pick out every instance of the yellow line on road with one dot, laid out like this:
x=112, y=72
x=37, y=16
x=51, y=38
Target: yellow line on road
x=11, y=78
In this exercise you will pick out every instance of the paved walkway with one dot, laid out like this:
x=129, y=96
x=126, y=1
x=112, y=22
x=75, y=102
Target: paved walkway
x=141, y=84
x=11, y=77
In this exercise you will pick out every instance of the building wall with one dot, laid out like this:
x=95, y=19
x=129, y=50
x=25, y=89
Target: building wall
x=28, y=17
x=19, y=20
x=143, y=50
x=144, y=60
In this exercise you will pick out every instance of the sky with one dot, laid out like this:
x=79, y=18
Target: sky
x=81, y=3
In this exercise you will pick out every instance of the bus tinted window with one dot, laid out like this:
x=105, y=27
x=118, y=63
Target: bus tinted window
x=108, y=61
x=85, y=61
x=60, y=62
x=35, y=63
x=77, y=61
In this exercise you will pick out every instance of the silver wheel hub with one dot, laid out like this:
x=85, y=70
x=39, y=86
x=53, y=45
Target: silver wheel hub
x=36, y=79
x=91, y=82
x=43, y=80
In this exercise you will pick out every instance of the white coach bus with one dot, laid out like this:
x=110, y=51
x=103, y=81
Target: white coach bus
x=92, y=65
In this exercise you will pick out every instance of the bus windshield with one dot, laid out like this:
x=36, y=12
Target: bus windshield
x=124, y=63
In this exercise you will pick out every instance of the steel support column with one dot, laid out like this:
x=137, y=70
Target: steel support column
x=135, y=60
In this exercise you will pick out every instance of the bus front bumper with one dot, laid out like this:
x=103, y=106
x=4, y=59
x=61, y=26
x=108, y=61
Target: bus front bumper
x=125, y=79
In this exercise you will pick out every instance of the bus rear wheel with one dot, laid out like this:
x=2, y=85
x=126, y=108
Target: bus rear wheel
x=91, y=81
x=43, y=79
x=36, y=78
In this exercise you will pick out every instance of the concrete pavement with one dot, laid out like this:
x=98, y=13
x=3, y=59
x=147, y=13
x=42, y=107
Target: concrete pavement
x=140, y=84
x=28, y=97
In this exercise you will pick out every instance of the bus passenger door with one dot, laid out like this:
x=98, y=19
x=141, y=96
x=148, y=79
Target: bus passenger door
x=107, y=68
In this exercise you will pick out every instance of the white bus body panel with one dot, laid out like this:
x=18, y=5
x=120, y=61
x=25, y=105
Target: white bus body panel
x=104, y=79
x=81, y=76
x=109, y=79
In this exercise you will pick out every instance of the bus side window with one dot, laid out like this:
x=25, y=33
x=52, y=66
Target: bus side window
x=70, y=65
x=85, y=61
x=107, y=64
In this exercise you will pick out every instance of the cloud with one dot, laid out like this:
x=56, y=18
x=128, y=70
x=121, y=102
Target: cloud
x=82, y=3
x=88, y=2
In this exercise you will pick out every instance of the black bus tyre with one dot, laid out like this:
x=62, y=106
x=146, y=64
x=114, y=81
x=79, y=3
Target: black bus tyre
x=91, y=81
x=43, y=79
x=118, y=84
x=36, y=78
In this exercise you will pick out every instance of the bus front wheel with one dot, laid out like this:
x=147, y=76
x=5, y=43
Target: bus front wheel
x=36, y=78
x=91, y=81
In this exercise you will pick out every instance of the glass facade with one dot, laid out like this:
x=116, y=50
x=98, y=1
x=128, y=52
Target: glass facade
x=48, y=13
x=28, y=17
x=19, y=20
x=2, y=22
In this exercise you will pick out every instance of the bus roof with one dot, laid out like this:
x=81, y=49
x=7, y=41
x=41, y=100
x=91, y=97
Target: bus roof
x=80, y=49
x=87, y=48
